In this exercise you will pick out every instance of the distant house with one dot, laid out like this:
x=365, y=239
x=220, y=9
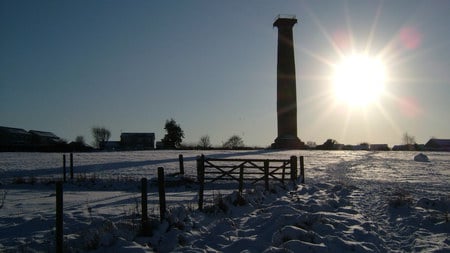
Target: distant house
x=379, y=147
x=17, y=139
x=438, y=145
x=112, y=145
x=399, y=148
x=339, y=146
x=159, y=145
x=137, y=141
x=42, y=138
x=409, y=147
x=362, y=146
x=404, y=147
x=14, y=137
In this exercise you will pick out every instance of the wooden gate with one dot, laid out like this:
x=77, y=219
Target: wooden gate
x=210, y=170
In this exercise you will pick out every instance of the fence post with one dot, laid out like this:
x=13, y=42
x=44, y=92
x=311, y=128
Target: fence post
x=294, y=164
x=162, y=194
x=59, y=217
x=180, y=158
x=64, y=168
x=266, y=174
x=241, y=178
x=71, y=166
x=201, y=180
x=302, y=170
x=144, y=217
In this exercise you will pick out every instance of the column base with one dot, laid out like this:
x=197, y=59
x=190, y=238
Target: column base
x=288, y=142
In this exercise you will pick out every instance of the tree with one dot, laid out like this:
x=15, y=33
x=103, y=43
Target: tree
x=80, y=140
x=100, y=135
x=329, y=144
x=204, y=142
x=364, y=145
x=174, y=135
x=409, y=141
x=233, y=142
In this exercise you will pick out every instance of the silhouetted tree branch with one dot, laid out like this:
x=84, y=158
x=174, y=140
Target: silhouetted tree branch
x=100, y=135
x=233, y=142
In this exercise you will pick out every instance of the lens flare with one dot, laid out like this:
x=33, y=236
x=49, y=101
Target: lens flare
x=410, y=38
x=410, y=107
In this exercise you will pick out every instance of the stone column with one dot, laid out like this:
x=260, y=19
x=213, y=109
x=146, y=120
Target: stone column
x=286, y=86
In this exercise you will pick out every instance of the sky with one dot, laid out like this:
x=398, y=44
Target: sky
x=67, y=66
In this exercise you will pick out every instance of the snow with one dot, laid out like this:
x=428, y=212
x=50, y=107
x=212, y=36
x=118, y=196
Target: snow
x=352, y=201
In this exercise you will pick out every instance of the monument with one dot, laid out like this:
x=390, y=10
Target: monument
x=286, y=86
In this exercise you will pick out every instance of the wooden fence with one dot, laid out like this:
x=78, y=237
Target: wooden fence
x=210, y=170
x=145, y=226
x=71, y=167
x=64, y=172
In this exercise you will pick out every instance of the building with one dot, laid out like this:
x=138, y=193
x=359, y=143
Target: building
x=41, y=138
x=137, y=141
x=379, y=147
x=112, y=145
x=12, y=138
x=362, y=146
x=438, y=145
x=17, y=139
x=401, y=148
x=160, y=145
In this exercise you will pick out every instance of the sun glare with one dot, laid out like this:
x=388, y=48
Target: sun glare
x=359, y=80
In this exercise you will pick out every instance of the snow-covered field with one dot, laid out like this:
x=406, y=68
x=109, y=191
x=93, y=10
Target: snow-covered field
x=352, y=201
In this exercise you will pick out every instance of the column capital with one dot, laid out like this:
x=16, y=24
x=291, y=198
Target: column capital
x=282, y=21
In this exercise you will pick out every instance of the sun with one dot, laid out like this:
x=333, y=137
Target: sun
x=359, y=79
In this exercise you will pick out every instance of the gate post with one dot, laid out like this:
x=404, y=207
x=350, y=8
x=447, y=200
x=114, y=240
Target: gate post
x=266, y=174
x=162, y=194
x=144, y=218
x=181, y=161
x=71, y=166
x=241, y=179
x=64, y=168
x=302, y=170
x=201, y=180
x=59, y=217
x=294, y=168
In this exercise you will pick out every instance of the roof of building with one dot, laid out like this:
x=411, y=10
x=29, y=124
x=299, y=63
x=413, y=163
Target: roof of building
x=438, y=142
x=44, y=134
x=144, y=134
x=12, y=130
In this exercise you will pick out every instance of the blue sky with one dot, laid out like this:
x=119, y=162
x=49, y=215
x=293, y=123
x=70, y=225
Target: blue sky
x=67, y=66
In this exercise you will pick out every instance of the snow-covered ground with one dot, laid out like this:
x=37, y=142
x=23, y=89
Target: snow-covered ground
x=352, y=201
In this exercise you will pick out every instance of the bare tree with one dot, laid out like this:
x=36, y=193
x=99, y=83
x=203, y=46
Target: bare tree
x=234, y=142
x=204, y=142
x=409, y=141
x=100, y=135
x=329, y=144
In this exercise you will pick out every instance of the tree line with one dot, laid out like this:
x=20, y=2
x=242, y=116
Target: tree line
x=172, y=139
